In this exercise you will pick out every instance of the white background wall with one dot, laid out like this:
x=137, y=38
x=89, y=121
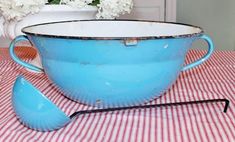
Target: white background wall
x=4, y=42
x=216, y=17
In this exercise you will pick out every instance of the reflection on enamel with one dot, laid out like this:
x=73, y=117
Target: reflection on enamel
x=166, y=46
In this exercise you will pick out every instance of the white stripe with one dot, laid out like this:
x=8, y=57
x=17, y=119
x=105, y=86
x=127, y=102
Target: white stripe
x=112, y=126
x=96, y=127
x=147, y=126
x=91, y=120
x=217, y=116
x=192, y=109
x=135, y=116
x=176, y=118
x=122, y=127
x=103, y=126
x=159, y=123
x=120, y=117
x=128, y=125
x=140, y=129
x=107, y=130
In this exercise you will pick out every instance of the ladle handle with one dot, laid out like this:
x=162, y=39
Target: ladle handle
x=226, y=101
x=17, y=59
x=205, y=57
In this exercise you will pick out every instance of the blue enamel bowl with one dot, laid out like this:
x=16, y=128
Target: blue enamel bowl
x=110, y=63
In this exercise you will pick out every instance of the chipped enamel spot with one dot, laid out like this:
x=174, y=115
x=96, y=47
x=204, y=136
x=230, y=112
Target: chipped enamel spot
x=131, y=42
x=98, y=102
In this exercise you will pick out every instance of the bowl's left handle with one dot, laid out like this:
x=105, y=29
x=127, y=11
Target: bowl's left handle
x=18, y=60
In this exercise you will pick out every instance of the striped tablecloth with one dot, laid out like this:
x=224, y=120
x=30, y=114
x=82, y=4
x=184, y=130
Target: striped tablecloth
x=188, y=123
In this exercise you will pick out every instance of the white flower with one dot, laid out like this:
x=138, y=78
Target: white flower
x=110, y=9
x=76, y=3
x=1, y=26
x=107, y=9
x=16, y=9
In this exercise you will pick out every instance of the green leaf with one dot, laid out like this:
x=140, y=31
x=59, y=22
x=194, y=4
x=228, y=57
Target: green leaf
x=95, y=2
x=54, y=1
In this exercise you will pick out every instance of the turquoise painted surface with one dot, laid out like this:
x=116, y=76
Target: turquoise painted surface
x=107, y=73
x=34, y=110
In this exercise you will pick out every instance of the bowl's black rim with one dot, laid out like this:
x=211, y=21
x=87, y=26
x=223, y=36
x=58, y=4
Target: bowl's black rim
x=114, y=38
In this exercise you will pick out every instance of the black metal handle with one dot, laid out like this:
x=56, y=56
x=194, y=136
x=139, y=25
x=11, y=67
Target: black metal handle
x=151, y=106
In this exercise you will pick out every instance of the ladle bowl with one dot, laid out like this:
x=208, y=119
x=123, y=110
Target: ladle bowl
x=37, y=112
x=34, y=109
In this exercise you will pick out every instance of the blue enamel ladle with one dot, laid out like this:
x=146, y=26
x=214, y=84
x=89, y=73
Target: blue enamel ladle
x=37, y=112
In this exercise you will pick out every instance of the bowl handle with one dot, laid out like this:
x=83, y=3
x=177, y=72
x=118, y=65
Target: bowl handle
x=205, y=57
x=18, y=60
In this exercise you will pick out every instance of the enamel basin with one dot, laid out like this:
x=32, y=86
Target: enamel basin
x=109, y=63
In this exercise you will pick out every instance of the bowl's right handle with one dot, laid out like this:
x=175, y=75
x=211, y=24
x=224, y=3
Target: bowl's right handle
x=205, y=57
x=17, y=59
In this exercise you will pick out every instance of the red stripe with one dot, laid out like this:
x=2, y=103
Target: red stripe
x=77, y=126
x=177, y=111
x=138, y=123
x=126, y=124
x=172, y=112
x=132, y=126
x=167, y=121
x=72, y=124
x=119, y=126
x=91, y=127
x=156, y=124
x=226, y=57
x=195, y=71
x=189, y=87
x=143, y=130
x=211, y=116
x=221, y=88
x=150, y=132
x=162, y=123
x=184, y=108
x=100, y=129
x=187, y=92
x=192, y=86
x=96, y=117
x=206, y=117
x=217, y=89
x=221, y=121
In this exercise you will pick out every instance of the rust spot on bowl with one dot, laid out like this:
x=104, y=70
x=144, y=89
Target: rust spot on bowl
x=98, y=102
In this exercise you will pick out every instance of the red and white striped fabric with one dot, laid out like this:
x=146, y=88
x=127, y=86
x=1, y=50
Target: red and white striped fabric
x=201, y=122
